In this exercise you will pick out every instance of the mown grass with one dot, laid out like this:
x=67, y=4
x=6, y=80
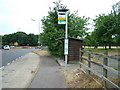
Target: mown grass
x=102, y=49
x=114, y=51
x=116, y=68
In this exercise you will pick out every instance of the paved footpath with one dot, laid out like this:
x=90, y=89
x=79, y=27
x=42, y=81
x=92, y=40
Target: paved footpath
x=20, y=73
x=49, y=75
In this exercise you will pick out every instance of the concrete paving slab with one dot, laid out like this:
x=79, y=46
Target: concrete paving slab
x=49, y=75
x=20, y=73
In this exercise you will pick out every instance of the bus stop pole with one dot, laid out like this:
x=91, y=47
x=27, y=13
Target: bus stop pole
x=66, y=38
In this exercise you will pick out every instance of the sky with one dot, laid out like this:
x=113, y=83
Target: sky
x=16, y=15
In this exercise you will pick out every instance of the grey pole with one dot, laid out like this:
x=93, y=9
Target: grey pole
x=62, y=13
x=66, y=38
x=66, y=26
x=39, y=33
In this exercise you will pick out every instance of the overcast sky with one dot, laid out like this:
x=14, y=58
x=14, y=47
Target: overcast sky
x=16, y=15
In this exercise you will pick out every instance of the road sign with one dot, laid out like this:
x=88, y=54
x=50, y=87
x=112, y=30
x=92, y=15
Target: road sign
x=61, y=18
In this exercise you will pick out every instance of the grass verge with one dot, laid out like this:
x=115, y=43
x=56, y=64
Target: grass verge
x=42, y=52
x=114, y=51
x=75, y=78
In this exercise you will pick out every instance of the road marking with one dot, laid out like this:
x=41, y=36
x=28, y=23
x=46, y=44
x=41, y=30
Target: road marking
x=2, y=67
x=12, y=61
x=8, y=64
x=16, y=59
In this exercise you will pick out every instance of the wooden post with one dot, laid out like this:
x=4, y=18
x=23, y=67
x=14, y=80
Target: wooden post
x=105, y=62
x=80, y=57
x=89, y=63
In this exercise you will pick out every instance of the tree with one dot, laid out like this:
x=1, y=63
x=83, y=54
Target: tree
x=32, y=39
x=91, y=40
x=105, y=28
x=5, y=40
x=21, y=38
x=116, y=13
x=53, y=31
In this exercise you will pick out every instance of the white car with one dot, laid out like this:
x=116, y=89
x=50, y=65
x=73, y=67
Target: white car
x=6, y=47
x=12, y=47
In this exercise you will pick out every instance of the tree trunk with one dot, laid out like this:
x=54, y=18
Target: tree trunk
x=105, y=47
x=109, y=46
x=110, y=42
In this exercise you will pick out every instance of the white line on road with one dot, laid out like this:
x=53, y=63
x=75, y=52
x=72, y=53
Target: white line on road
x=2, y=67
x=8, y=64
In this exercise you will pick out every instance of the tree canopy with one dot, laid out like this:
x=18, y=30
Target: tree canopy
x=107, y=30
x=21, y=38
x=53, y=30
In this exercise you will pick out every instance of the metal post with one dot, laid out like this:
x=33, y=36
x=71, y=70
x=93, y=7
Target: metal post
x=66, y=61
x=66, y=37
x=38, y=33
x=66, y=26
x=62, y=16
x=39, y=28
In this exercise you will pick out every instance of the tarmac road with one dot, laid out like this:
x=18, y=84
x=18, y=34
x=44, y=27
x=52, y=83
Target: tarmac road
x=9, y=55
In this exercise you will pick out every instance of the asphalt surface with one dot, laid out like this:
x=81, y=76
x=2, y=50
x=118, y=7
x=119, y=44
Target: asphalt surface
x=9, y=55
x=48, y=75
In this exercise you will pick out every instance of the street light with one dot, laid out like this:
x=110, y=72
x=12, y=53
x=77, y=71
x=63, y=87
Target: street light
x=119, y=7
x=38, y=30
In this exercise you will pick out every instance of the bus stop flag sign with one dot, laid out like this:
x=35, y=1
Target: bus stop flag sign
x=61, y=18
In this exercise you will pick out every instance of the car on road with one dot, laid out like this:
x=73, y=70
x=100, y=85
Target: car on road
x=38, y=47
x=6, y=47
x=12, y=47
x=25, y=47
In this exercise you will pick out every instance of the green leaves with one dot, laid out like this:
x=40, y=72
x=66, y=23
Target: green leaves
x=53, y=30
x=21, y=38
x=107, y=28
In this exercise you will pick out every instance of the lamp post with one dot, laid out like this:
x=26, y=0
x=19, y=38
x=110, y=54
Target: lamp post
x=38, y=31
x=119, y=7
x=63, y=19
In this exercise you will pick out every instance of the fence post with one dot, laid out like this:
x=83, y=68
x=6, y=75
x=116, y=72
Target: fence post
x=89, y=63
x=105, y=62
x=80, y=57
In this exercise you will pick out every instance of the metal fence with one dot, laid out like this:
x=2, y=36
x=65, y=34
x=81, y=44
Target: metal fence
x=104, y=65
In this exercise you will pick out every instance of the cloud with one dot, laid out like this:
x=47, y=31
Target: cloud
x=16, y=14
